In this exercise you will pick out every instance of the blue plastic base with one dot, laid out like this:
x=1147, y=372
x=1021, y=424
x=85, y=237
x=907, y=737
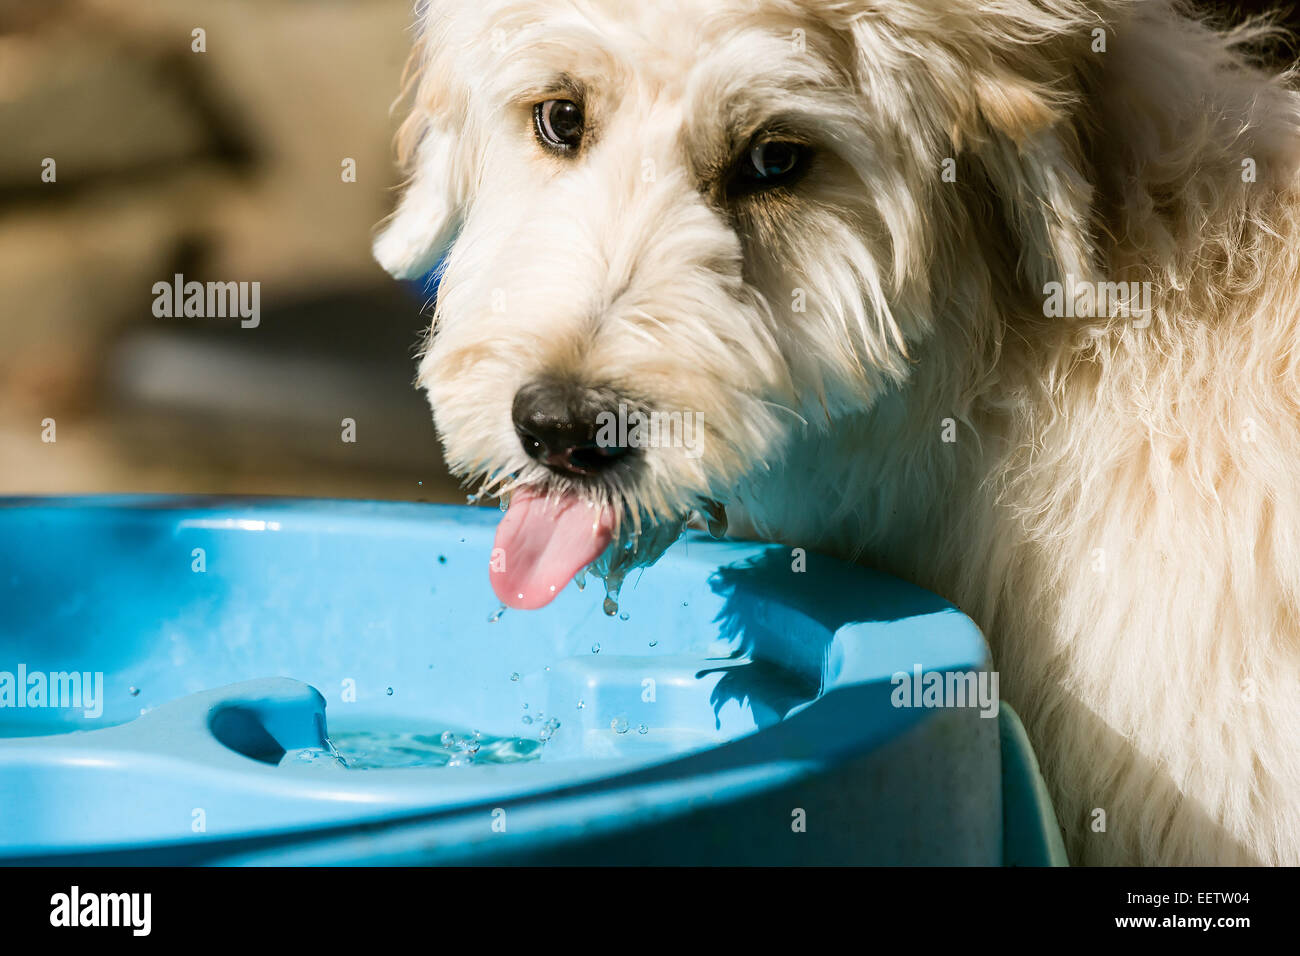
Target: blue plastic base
x=741, y=713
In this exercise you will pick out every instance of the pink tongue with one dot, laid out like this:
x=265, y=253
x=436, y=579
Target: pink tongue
x=542, y=544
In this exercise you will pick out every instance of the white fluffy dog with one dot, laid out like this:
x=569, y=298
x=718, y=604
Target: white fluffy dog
x=997, y=295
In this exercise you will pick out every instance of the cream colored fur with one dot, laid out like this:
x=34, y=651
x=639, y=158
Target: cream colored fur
x=1120, y=510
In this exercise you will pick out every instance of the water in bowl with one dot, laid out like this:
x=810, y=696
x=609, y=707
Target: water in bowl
x=382, y=746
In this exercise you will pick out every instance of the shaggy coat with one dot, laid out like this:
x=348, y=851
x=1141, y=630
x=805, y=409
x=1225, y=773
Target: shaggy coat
x=893, y=357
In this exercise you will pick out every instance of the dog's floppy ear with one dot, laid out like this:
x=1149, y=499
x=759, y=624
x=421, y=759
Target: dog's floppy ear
x=427, y=217
x=1028, y=149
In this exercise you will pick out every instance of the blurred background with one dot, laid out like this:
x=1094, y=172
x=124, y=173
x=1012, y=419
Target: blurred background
x=223, y=165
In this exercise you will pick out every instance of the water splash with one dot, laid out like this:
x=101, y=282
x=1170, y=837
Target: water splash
x=548, y=729
x=375, y=750
x=715, y=516
x=629, y=551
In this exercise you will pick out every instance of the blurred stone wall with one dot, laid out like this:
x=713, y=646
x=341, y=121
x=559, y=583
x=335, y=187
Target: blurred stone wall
x=221, y=165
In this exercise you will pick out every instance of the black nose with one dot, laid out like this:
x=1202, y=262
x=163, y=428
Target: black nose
x=568, y=427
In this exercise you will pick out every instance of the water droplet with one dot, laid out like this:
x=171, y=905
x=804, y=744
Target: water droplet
x=610, y=607
x=654, y=643
x=442, y=559
x=527, y=719
x=624, y=616
x=643, y=729
x=581, y=704
x=133, y=691
x=618, y=725
x=525, y=706
x=716, y=518
x=447, y=739
x=390, y=692
x=515, y=676
x=595, y=648
x=496, y=615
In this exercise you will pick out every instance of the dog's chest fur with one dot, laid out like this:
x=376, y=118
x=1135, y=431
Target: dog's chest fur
x=1121, y=538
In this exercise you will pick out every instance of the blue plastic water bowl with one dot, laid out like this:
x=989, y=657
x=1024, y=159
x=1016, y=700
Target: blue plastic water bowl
x=321, y=682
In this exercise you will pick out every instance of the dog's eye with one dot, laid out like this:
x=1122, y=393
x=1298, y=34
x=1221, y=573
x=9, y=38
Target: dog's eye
x=559, y=124
x=769, y=163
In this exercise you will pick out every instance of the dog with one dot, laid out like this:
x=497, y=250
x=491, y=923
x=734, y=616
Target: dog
x=998, y=297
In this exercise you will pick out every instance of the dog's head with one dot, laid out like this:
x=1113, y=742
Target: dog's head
x=675, y=234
